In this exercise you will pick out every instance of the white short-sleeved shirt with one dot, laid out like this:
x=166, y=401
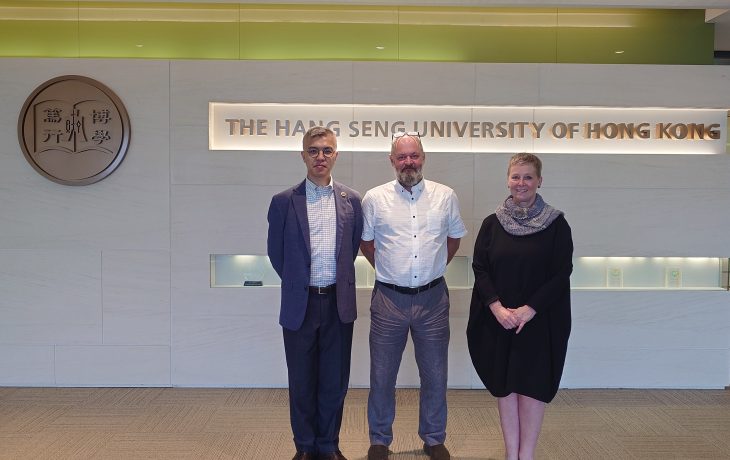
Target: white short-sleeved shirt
x=410, y=230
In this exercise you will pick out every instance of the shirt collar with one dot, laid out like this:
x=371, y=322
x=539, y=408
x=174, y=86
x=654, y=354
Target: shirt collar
x=416, y=190
x=313, y=188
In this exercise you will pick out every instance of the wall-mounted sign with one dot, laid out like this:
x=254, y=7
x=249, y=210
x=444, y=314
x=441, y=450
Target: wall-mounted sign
x=472, y=128
x=74, y=130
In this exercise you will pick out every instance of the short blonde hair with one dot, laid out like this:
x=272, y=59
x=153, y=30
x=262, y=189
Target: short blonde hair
x=524, y=158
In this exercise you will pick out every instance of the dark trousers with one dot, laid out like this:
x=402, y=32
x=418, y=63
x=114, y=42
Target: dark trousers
x=318, y=361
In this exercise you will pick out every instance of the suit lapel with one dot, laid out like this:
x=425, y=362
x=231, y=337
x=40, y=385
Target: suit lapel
x=299, y=200
x=342, y=205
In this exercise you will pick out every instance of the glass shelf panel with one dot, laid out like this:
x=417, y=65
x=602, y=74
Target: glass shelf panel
x=628, y=273
x=237, y=270
x=647, y=273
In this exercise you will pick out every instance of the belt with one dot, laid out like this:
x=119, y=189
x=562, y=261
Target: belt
x=413, y=290
x=324, y=290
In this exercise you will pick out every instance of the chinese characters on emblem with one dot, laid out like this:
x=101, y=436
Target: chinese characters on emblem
x=73, y=128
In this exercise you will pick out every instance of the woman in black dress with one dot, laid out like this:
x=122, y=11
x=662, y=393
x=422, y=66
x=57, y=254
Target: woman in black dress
x=519, y=320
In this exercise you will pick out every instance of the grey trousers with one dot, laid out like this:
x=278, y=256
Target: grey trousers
x=426, y=316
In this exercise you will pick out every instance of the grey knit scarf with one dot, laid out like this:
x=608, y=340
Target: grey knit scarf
x=525, y=221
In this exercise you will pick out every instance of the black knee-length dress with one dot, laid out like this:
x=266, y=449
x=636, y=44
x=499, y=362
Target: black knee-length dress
x=529, y=270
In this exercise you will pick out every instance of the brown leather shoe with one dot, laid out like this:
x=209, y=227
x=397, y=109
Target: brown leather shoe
x=437, y=452
x=332, y=456
x=378, y=452
x=304, y=456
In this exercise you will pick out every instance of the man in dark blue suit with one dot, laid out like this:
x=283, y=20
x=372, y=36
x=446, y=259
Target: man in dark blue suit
x=314, y=236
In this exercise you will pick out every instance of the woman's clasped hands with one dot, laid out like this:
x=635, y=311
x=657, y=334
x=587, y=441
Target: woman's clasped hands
x=511, y=318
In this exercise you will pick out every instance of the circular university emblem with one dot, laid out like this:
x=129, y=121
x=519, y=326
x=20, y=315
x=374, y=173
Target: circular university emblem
x=74, y=130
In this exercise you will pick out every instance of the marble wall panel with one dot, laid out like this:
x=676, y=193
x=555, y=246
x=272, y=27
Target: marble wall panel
x=136, y=297
x=636, y=172
x=607, y=85
x=650, y=319
x=666, y=367
x=507, y=84
x=113, y=366
x=228, y=350
x=27, y=365
x=420, y=83
x=194, y=300
x=50, y=297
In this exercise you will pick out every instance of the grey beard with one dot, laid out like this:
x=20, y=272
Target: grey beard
x=409, y=178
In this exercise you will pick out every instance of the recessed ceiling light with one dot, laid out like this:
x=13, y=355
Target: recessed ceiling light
x=619, y=51
x=379, y=47
x=139, y=45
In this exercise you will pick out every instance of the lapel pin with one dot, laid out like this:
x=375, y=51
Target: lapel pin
x=343, y=194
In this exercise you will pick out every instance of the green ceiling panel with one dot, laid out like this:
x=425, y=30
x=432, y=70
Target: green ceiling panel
x=319, y=32
x=298, y=41
x=48, y=29
x=325, y=32
x=159, y=40
x=158, y=30
x=477, y=44
x=640, y=37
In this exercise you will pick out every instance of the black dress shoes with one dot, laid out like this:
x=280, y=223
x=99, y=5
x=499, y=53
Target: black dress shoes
x=304, y=456
x=437, y=452
x=332, y=456
x=378, y=452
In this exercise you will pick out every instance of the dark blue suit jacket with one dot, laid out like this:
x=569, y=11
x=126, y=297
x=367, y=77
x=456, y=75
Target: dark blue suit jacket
x=290, y=252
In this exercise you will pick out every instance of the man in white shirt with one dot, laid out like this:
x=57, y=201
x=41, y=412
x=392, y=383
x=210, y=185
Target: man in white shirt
x=412, y=229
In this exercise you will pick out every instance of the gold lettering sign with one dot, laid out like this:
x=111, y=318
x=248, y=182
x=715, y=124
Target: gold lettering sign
x=74, y=130
x=476, y=129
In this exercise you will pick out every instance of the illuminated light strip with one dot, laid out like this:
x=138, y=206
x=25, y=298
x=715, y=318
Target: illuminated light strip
x=51, y=13
x=319, y=16
x=120, y=14
x=325, y=15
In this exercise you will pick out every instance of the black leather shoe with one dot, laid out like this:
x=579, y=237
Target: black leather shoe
x=378, y=452
x=304, y=456
x=437, y=452
x=332, y=456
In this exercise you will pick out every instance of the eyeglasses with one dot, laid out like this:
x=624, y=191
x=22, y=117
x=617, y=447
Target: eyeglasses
x=313, y=152
x=400, y=134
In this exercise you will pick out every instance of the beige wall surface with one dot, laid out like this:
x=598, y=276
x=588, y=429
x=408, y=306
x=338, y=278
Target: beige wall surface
x=109, y=284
